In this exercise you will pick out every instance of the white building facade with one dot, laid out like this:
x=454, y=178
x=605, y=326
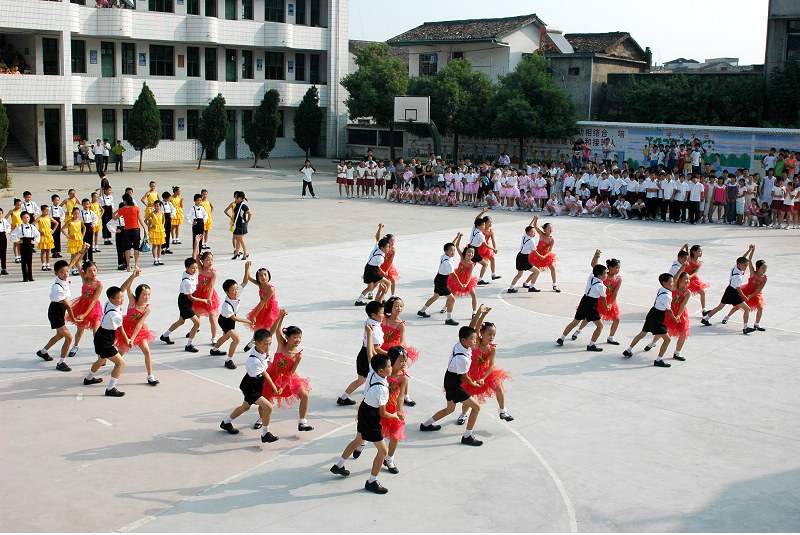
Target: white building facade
x=87, y=67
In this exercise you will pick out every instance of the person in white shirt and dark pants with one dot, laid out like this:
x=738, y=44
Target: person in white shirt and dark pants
x=307, y=171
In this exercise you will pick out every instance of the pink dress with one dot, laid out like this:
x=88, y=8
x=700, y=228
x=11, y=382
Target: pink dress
x=757, y=301
x=203, y=290
x=267, y=316
x=695, y=284
x=613, y=314
x=682, y=328
x=462, y=274
x=484, y=250
x=81, y=305
x=129, y=325
x=391, y=271
x=543, y=248
x=391, y=337
x=393, y=429
x=477, y=369
x=280, y=371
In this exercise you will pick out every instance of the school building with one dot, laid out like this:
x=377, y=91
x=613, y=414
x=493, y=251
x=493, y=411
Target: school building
x=72, y=70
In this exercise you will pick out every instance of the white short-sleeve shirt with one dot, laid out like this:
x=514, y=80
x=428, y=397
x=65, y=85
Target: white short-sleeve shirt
x=112, y=317
x=460, y=359
x=376, y=390
x=446, y=266
x=256, y=363
x=663, y=299
x=595, y=288
x=188, y=283
x=60, y=290
x=377, y=333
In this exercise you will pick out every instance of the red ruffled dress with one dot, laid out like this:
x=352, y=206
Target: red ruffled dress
x=393, y=429
x=543, y=248
x=391, y=337
x=132, y=317
x=695, y=283
x=613, y=314
x=477, y=369
x=484, y=250
x=202, y=292
x=81, y=305
x=754, y=284
x=267, y=316
x=391, y=271
x=463, y=274
x=682, y=328
x=280, y=371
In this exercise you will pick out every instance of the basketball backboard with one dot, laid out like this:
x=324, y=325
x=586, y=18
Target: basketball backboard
x=412, y=109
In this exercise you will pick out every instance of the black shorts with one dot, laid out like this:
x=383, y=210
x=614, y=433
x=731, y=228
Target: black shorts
x=197, y=227
x=587, y=309
x=185, y=306
x=132, y=238
x=369, y=423
x=226, y=324
x=476, y=257
x=440, y=285
x=362, y=364
x=732, y=297
x=240, y=229
x=372, y=274
x=523, y=264
x=654, y=322
x=104, y=343
x=453, y=390
x=252, y=388
x=55, y=313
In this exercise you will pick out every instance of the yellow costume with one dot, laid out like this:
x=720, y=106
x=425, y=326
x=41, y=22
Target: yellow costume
x=207, y=206
x=71, y=203
x=75, y=241
x=233, y=211
x=46, y=231
x=157, y=235
x=152, y=196
x=177, y=217
x=95, y=207
x=16, y=219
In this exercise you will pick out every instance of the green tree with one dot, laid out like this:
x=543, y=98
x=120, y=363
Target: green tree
x=261, y=134
x=528, y=103
x=144, y=123
x=3, y=141
x=379, y=78
x=783, y=95
x=213, y=126
x=308, y=121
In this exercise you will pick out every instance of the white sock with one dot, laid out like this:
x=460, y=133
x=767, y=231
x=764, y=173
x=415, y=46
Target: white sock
x=228, y=358
x=90, y=375
x=75, y=346
x=677, y=353
x=651, y=345
x=756, y=325
x=611, y=339
x=481, y=279
x=227, y=420
x=344, y=395
x=340, y=462
x=577, y=331
x=302, y=421
x=449, y=316
x=526, y=285
x=562, y=337
x=189, y=341
x=112, y=383
x=591, y=343
x=428, y=422
x=658, y=358
x=503, y=411
x=423, y=309
x=745, y=326
x=166, y=333
x=362, y=297
x=264, y=430
x=706, y=317
x=372, y=479
x=493, y=273
x=511, y=287
x=44, y=350
x=630, y=349
x=467, y=433
x=389, y=459
x=360, y=447
x=60, y=360
x=726, y=318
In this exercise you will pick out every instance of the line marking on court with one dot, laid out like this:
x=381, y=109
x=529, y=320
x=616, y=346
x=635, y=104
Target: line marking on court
x=104, y=422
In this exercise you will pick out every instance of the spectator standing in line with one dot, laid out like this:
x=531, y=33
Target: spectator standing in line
x=98, y=150
x=106, y=153
x=118, y=149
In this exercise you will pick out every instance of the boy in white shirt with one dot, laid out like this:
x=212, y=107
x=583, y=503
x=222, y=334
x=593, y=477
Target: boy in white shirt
x=307, y=171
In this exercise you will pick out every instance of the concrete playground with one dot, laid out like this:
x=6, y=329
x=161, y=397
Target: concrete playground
x=599, y=443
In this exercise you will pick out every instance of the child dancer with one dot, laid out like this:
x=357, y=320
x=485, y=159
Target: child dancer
x=95, y=207
x=454, y=379
x=5, y=233
x=696, y=284
x=482, y=368
x=135, y=328
x=149, y=199
x=373, y=275
x=654, y=322
x=523, y=262
x=440, y=287
x=169, y=211
x=478, y=239
x=15, y=216
x=391, y=428
x=753, y=289
x=206, y=302
x=86, y=309
x=370, y=412
x=388, y=264
x=47, y=226
x=198, y=216
x=374, y=310
x=612, y=282
x=105, y=336
x=678, y=329
x=208, y=223
x=283, y=372
x=733, y=293
x=394, y=333
x=461, y=282
x=489, y=251
x=107, y=206
x=587, y=311
x=185, y=300
x=177, y=218
x=157, y=236
x=227, y=322
x=252, y=386
x=266, y=311
x=57, y=214
x=542, y=257
x=26, y=237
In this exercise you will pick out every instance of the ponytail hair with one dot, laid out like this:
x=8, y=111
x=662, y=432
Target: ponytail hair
x=612, y=263
x=139, y=290
x=291, y=331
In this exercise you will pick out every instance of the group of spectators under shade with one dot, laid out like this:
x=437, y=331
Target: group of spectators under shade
x=11, y=61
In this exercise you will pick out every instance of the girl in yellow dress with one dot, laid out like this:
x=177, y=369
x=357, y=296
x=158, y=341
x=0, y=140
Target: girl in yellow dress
x=229, y=212
x=149, y=199
x=74, y=231
x=177, y=216
x=47, y=225
x=71, y=201
x=16, y=220
x=156, y=234
x=95, y=207
x=209, y=206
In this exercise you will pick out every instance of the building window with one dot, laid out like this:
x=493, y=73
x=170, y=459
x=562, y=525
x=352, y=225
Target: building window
x=211, y=8
x=300, y=67
x=109, y=117
x=192, y=7
x=274, y=11
x=79, y=2
x=167, y=126
x=211, y=63
x=458, y=55
x=230, y=65
x=230, y=9
x=78, y=56
x=315, y=16
x=50, y=56
x=80, y=126
x=273, y=66
x=107, y=60
x=164, y=6
x=300, y=12
x=162, y=61
x=247, y=9
x=313, y=69
x=193, y=61
x=281, y=130
x=247, y=118
x=574, y=71
x=125, y=116
x=792, y=39
x=129, y=58
x=192, y=120
x=428, y=64
x=247, y=64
